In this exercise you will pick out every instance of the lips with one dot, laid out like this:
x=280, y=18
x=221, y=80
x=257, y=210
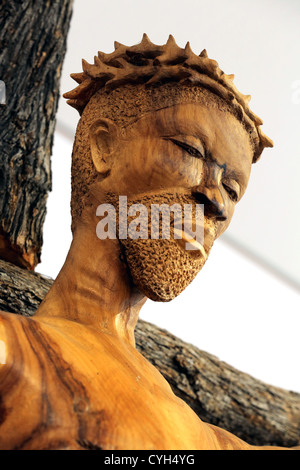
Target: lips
x=199, y=241
x=190, y=243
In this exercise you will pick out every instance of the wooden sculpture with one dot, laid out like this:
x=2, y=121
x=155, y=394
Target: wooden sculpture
x=158, y=125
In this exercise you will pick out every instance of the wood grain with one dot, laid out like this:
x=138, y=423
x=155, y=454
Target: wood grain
x=65, y=383
x=71, y=376
x=217, y=392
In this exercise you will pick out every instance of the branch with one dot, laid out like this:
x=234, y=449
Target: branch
x=218, y=393
x=33, y=44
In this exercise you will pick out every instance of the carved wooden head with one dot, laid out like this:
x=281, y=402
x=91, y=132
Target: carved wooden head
x=160, y=124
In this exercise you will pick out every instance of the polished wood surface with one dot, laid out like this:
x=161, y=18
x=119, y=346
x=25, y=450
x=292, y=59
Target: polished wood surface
x=71, y=377
x=84, y=389
x=208, y=385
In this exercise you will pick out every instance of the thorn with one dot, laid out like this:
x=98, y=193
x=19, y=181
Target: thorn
x=117, y=45
x=231, y=76
x=85, y=65
x=188, y=49
x=77, y=77
x=145, y=39
x=171, y=41
x=101, y=55
x=258, y=121
x=203, y=53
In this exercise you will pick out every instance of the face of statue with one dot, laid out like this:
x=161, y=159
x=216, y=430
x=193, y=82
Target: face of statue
x=185, y=154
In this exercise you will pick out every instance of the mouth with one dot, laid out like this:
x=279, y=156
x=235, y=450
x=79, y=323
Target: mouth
x=191, y=244
x=198, y=239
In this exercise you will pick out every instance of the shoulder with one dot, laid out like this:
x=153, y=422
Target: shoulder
x=7, y=321
x=224, y=440
x=10, y=323
x=3, y=340
x=13, y=337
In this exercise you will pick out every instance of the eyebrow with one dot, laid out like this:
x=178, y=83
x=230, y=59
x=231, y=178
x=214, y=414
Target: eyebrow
x=201, y=135
x=237, y=176
x=233, y=174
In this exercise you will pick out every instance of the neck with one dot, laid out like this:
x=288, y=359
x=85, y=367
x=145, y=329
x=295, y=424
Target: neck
x=93, y=287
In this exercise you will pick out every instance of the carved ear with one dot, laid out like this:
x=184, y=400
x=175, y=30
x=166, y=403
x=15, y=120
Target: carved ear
x=103, y=139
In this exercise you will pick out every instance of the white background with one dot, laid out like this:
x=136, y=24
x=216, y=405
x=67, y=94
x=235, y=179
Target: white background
x=244, y=306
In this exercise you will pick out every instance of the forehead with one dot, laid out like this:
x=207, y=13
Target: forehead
x=222, y=135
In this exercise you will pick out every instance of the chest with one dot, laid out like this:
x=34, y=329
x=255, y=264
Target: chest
x=88, y=399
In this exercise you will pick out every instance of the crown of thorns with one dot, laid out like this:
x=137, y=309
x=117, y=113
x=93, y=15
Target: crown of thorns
x=149, y=63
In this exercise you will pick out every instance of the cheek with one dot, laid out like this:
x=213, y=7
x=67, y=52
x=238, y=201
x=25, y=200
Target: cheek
x=174, y=167
x=155, y=165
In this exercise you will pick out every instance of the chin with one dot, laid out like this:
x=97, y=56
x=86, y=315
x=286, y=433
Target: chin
x=161, y=269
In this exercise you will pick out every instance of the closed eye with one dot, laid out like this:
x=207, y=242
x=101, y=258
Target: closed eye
x=232, y=193
x=188, y=148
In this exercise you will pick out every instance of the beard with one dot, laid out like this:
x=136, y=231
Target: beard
x=162, y=268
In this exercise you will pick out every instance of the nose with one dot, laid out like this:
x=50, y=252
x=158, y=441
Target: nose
x=211, y=197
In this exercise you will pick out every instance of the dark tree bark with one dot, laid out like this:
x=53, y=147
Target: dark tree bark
x=218, y=393
x=32, y=47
